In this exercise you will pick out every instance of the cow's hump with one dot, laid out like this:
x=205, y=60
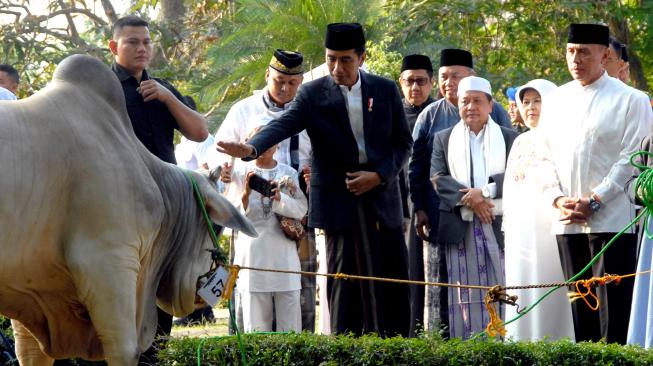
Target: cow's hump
x=92, y=75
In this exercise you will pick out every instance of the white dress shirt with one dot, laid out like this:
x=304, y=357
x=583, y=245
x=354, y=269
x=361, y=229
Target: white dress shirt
x=354, y=102
x=589, y=134
x=477, y=150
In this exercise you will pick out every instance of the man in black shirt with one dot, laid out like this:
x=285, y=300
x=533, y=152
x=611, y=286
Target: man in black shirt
x=155, y=107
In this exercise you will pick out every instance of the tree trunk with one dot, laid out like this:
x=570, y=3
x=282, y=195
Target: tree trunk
x=109, y=11
x=619, y=29
x=172, y=14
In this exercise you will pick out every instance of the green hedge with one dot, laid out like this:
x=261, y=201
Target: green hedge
x=307, y=349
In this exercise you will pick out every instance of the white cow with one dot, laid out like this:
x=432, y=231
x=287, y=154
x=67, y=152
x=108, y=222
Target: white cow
x=94, y=230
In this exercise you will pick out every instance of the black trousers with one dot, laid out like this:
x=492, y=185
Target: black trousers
x=368, y=248
x=415, y=247
x=611, y=321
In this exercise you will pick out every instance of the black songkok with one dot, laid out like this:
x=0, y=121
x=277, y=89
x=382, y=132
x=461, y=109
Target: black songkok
x=624, y=53
x=589, y=34
x=416, y=62
x=287, y=62
x=344, y=36
x=456, y=57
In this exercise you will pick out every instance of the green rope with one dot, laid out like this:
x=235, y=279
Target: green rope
x=199, y=352
x=644, y=186
x=207, y=219
x=645, y=211
x=241, y=346
x=223, y=258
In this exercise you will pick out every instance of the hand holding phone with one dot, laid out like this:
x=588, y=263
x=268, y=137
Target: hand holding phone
x=261, y=185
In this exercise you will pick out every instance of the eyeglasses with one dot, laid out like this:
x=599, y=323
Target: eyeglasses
x=418, y=81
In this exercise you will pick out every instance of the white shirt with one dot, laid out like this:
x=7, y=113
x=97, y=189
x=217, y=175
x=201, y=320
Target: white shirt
x=271, y=249
x=477, y=151
x=589, y=134
x=190, y=154
x=6, y=94
x=354, y=102
x=248, y=114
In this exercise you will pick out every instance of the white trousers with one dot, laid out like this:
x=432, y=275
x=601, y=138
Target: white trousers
x=257, y=311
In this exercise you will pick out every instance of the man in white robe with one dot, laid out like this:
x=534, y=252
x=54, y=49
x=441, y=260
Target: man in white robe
x=591, y=126
x=467, y=170
x=282, y=77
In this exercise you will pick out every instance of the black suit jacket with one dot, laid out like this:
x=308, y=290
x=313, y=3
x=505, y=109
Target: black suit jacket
x=451, y=226
x=320, y=108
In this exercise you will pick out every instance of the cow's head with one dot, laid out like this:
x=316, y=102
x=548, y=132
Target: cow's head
x=176, y=293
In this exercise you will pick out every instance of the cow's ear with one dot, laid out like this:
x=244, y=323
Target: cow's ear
x=214, y=174
x=223, y=213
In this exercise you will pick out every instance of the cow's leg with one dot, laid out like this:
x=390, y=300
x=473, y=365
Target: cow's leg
x=108, y=288
x=27, y=348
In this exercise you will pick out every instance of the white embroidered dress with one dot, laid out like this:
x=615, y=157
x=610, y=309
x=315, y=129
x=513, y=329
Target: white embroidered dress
x=531, y=250
x=271, y=249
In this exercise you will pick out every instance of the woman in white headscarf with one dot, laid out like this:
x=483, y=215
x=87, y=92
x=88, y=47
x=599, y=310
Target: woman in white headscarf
x=531, y=251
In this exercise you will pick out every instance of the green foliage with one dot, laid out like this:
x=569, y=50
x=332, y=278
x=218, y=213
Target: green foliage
x=5, y=327
x=513, y=41
x=308, y=349
x=382, y=61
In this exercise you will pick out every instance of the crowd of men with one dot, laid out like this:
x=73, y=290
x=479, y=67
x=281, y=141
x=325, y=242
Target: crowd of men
x=365, y=177
x=372, y=157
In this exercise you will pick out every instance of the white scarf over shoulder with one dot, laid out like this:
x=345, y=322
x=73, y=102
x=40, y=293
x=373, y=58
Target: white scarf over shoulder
x=460, y=159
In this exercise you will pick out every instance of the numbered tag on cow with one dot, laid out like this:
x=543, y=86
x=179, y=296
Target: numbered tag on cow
x=213, y=289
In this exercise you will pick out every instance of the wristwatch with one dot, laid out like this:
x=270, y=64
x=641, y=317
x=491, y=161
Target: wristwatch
x=595, y=205
x=485, y=192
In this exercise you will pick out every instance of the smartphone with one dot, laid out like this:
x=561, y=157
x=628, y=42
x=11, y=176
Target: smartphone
x=261, y=185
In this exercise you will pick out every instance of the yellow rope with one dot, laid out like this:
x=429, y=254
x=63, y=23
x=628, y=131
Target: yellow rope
x=589, y=284
x=495, y=326
x=231, y=280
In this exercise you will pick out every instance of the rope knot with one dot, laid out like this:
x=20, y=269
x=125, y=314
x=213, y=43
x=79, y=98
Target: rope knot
x=231, y=281
x=589, y=285
x=496, y=294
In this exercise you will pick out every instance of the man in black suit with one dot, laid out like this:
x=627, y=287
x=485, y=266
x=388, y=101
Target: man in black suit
x=360, y=141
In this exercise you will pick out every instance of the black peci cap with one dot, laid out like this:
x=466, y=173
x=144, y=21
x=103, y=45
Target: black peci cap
x=344, y=36
x=589, y=34
x=456, y=57
x=287, y=62
x=416, y=62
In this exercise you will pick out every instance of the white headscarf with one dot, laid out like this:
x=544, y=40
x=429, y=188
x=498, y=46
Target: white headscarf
x=6, y=94
x=542, y=86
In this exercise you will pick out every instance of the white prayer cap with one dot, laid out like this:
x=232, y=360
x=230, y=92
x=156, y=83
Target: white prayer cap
x=474, y=83
x=6, y=94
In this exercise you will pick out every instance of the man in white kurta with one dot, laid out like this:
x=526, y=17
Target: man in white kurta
x=264, y=106
x=591, y=126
